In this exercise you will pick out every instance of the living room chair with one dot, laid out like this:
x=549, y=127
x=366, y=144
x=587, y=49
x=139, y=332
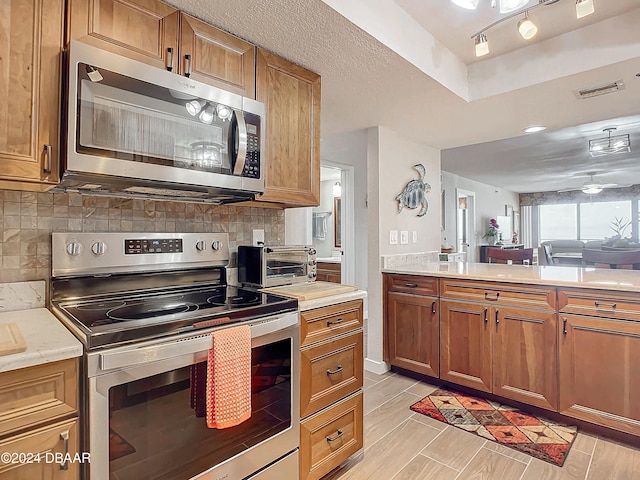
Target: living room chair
x=629, y=259
x=548, y=254
x=519, y=256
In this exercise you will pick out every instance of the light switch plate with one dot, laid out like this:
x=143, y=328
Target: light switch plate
x=404, y=237
x=393, y=237
x=258, y=236
x=414, y=237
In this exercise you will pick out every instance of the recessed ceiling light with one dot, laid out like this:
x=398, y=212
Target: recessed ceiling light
x=534, y=129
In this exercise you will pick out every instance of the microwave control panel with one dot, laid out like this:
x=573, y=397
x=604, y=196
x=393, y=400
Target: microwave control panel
x=252, y=161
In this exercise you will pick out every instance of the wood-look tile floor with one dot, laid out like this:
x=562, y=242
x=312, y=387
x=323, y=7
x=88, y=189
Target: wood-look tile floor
x=403, y=445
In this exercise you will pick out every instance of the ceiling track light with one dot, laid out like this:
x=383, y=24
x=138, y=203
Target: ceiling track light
x=525, y=26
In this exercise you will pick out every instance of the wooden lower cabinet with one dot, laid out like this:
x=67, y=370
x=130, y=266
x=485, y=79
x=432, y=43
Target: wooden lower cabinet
x=50, y=446
x=465, y=344
x=331, y=379
x=599, y=371
x=329, y=272
x=525, y=366
x=412, y=332
x=330, y=437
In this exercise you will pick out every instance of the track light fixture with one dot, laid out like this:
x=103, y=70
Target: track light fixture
x=526, y=27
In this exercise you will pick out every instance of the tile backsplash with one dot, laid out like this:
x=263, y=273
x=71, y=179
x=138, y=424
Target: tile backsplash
x=27, y=220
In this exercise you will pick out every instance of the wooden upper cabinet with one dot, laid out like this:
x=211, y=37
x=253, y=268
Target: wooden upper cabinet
x=292, y=98
x=30, y=86
x=215, y=57
x=143, y=30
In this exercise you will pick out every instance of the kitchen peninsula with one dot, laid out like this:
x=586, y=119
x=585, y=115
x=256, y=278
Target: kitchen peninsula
x=563, y=339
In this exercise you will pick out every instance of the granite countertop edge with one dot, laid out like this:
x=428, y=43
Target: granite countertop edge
x=48, y=340
x=304, y=305
x=553, y=276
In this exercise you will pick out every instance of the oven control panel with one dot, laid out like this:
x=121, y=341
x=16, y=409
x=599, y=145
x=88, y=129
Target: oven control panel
x=160, y=245
x=110, y=252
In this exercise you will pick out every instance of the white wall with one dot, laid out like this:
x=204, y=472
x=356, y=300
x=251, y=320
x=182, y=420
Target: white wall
x=490, y=203
x=390, y=160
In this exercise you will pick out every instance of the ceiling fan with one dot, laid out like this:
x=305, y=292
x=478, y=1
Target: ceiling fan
x=592, y=187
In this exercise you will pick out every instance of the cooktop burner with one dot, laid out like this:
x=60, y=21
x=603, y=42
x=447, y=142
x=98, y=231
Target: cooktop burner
x=135, y=316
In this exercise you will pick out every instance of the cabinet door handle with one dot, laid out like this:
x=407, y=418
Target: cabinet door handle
x=334, y=322
x=337, y=370
x=168, y=59
x=337, y=436
x=433, y=307
x=47, y=159
x=411, y=285
x=497, y=316
x=612, y=306
x=187, y=65
x=564, y=326
x=65, y=438
x=486, y=319
x=493, y=299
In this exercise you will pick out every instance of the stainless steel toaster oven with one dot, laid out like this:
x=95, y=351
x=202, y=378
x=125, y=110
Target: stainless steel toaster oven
x=270, y=266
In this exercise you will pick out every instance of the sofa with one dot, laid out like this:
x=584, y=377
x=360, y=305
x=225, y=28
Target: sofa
x=566, y=246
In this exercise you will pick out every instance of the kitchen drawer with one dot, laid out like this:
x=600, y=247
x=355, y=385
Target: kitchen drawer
x=30, y=396
x=499, y=293
x=415, y=284
x=330, y=437
x=597, y=303
x=58, y=439
x=321, y=323
x=330, y=371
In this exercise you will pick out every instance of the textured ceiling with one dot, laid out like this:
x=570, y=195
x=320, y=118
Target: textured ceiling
x=365, y=83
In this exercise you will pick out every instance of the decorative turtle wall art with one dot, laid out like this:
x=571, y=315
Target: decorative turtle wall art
x=415, y=193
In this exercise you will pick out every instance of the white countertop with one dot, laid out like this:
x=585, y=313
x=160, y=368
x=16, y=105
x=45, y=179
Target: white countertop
x=331, y=300
x=599, y=278
x=329, y=259
x=47, y=339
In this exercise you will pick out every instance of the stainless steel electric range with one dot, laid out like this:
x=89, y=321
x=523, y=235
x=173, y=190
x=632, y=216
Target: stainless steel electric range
x=144, y=306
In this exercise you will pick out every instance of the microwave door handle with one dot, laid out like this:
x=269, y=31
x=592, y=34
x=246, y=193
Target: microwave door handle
x=241, y=154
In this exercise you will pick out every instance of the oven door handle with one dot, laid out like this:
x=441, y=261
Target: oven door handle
x=184, y=346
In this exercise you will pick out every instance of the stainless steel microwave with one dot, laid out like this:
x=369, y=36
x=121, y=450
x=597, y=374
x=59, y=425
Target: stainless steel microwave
x=271, y=266
x=134, y=129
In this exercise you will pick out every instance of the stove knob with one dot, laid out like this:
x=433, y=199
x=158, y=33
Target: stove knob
x=312, y=262
x=200, y=245
x=99, y=248
x=216, y=245
x=74, y=248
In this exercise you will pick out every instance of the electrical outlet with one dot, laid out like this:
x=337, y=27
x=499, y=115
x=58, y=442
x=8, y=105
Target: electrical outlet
x=414, y=237
x=404, y=237
x=257, y=237
x=393, y=237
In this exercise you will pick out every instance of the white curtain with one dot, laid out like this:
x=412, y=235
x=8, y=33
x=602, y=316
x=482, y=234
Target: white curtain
x=526, y=225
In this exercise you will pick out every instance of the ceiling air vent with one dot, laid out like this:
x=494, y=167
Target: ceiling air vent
x=599, y=90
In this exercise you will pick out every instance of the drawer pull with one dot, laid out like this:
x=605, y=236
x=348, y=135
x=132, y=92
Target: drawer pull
x=433, y=308
x=337, y=370
x=333, y=439
x=411, y=285
x=333, y=322
x=497, y=317
x=612, y=306
x=486, y=319
x=564, y=326
x=65, y=438
x=493, y=299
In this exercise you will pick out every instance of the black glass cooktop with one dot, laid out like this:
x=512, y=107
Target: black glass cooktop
x=108, y=321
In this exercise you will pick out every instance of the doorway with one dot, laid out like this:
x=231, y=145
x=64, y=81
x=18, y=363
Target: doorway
x=332, y=224
x=465, y=223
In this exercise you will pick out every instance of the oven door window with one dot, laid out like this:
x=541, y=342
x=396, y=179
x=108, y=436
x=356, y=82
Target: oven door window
x=158, y=427
x=287, y=266
x=129, y=119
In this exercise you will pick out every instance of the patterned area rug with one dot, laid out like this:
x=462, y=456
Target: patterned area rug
x=535, y=436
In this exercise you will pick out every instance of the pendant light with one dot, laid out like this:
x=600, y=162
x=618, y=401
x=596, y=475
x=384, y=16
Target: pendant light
x=527, y=28
x=584, y=8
